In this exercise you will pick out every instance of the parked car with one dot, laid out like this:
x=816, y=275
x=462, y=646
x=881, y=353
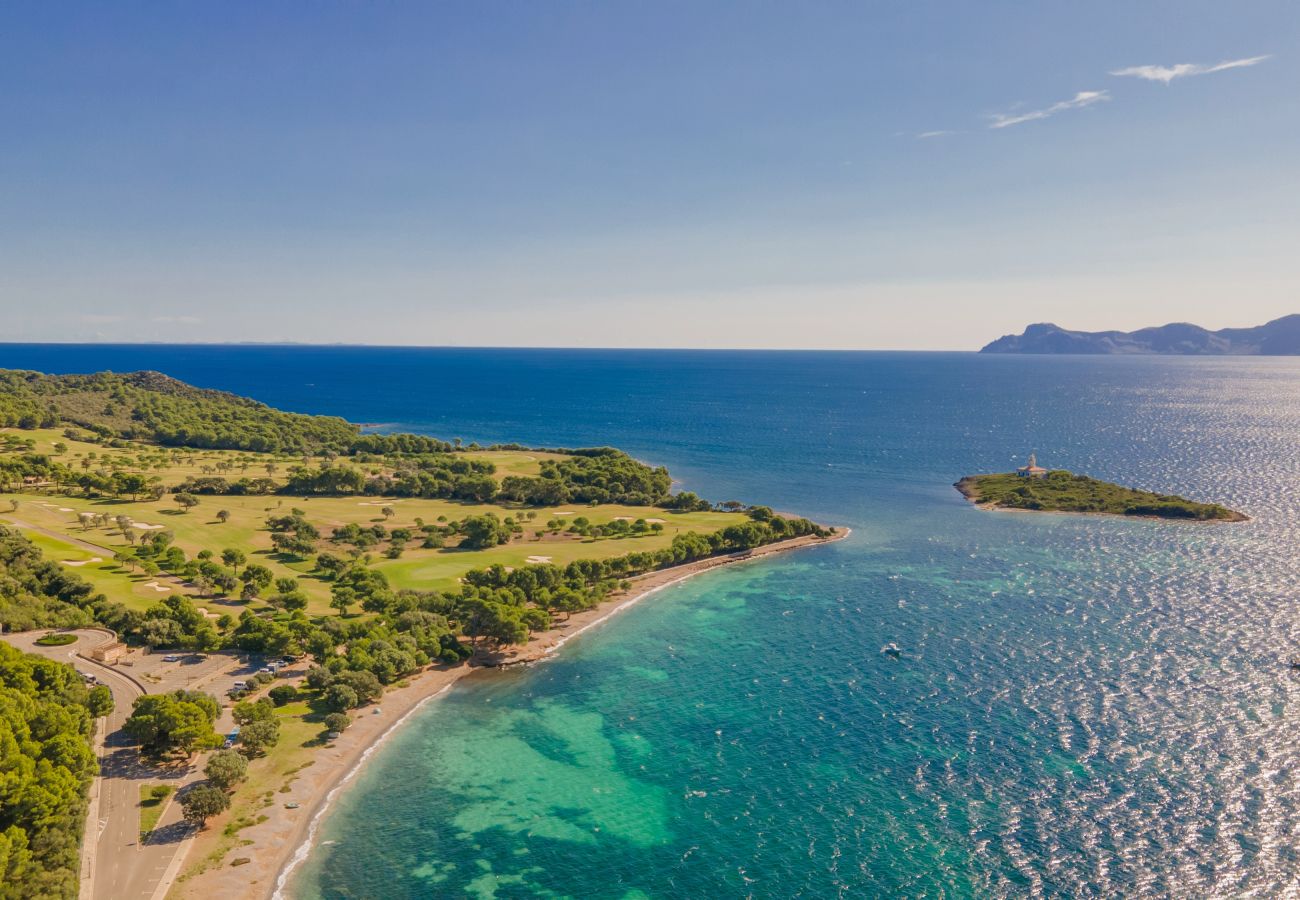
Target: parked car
x=171, y=658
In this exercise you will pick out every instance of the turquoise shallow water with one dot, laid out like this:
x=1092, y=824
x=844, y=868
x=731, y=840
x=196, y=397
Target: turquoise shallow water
x=1084, y=707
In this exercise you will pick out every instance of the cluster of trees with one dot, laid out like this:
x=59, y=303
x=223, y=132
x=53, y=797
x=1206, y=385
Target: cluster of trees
x=151, y=406
x=602, y=475
x=216, y=484
x=293, y=534
x=259, y=729
x=174, y=622
x=38, y=593
x=504, y=606
x=483, y=531
x=399, y=445
x=687, y=501
x=21, y=407
x=475, y=532
x=46, y=764
x=224, y=771
x=181, y=722
x=446, y=476
x=613, y=529
x=607, y=475
x=175, y=722
x=15, y=469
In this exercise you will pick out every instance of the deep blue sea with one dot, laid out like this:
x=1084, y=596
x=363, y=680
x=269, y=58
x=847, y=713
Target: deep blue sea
x=1084, y=706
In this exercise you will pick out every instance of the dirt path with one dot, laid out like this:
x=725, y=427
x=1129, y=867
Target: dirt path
x=60, y=536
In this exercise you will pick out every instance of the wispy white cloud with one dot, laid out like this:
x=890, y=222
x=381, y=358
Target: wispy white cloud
x=1078, y=101
x=1166, y=74
x=933, y=134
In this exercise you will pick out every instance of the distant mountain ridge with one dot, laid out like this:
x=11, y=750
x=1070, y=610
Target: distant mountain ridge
x=1281, y=337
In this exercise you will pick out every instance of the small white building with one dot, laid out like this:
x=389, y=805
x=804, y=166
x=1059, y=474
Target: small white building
x=1033, y=470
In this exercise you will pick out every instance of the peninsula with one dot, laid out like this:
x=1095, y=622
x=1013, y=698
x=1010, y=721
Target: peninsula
x=1280, y=337
x=1034, y=488
x=262, y=595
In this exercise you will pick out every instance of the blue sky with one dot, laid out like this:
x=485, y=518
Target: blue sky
x=645, y=174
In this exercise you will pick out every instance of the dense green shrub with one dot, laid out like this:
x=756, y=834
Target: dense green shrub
x=46, y=764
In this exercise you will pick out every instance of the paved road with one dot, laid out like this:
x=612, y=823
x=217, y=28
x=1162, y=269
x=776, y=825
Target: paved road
x=123, y=869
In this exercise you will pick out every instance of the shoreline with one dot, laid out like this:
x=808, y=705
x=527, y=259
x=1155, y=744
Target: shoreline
x=966, y=488
x=285, y=840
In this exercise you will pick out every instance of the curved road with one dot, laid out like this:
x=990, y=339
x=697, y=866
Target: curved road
x=116, y=866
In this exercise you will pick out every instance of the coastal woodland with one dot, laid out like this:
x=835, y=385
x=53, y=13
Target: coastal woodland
x=194, y=520
x=46, y=762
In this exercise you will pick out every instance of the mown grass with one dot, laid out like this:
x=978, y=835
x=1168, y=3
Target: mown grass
x=106, y=576
x=245, y=529
x=152, y=803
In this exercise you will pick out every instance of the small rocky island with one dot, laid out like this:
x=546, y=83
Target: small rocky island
x=1032, y=487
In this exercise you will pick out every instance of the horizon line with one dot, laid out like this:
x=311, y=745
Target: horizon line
x=347, y=345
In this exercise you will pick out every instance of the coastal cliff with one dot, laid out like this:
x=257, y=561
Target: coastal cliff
x=1280, y=337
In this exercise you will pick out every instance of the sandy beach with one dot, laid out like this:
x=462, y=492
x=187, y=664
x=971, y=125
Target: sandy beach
x=278, y=844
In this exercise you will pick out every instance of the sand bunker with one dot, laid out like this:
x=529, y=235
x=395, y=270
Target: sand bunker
x=538, y=559
x=630, y=519
x=66, y=509
x=145, y=526
x=82, y=562
x=562, y=512
x=162, y=588
x=381, y=502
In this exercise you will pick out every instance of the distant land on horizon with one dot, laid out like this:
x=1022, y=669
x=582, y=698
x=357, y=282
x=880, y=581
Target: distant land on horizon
x=1280, y=337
